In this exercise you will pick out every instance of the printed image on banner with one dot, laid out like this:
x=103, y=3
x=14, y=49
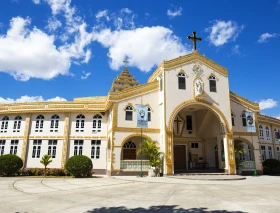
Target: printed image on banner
x=142, y=116
x=250, y=120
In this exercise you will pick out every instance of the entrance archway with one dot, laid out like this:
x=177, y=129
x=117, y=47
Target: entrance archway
x=246, y=161
x=199, y=127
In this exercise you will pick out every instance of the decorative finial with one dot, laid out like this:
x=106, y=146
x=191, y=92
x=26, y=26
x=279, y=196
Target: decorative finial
x=194, y=39
x=125, y=63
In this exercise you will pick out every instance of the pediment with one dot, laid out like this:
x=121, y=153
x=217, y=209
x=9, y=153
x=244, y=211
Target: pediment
x=187, y=59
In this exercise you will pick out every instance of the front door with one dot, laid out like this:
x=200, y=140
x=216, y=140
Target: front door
x=180, y=157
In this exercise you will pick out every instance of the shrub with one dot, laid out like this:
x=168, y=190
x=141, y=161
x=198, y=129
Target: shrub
x=79, y=166
x=10, y=164
x=271, y=167
x=40, y=172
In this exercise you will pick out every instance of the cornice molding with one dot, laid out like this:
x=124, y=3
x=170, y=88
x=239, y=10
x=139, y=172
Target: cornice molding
x=244, y=101
x=268, y=119
x=127, y=129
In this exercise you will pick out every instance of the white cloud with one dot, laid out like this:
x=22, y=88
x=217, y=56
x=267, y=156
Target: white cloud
x=36, y=1
x=26, y=53
x=265, y=36
x=222, y=32
x=86, y=75
x=176, y=12
x=268, y=103
x=102, y=14
x=160, y=44
x=126, y=10
x=235, y=50
x=53, y=24
x=27, y=98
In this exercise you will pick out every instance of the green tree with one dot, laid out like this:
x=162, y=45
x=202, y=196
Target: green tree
x=46, y=160
x=151, y=150
x=240, y=150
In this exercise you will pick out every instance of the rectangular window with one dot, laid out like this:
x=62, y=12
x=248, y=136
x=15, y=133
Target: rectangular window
x=182, y=82
x=232, y=121
x=149, y=116
x=189, y=122
x=212, y=86
x=160, y=84
x=39, y=125
x=128, y=115
x=78, y=147
x=263, y=153
x=14, y=147
x=36, y=148
x=2, y=147
x=4, y=126
x=54, y=126
x=270, y=156
x=244, y=122
x=194, y=145
x=17, y=124
x=52, y=145
x=95, y=149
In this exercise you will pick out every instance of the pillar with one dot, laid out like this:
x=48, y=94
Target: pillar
x=25, y=143
x=65, y=140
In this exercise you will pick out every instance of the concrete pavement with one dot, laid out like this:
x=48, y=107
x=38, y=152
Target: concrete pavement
x=133, y=194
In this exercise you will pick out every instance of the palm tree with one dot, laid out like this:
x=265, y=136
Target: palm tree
x=46, y=160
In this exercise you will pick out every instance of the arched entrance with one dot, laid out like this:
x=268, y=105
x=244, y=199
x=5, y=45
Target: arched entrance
x=244, y=155
x=130, y=159
x=195, y=129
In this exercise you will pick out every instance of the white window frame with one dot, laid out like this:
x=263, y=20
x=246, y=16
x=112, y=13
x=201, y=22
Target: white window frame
x=263, y=150
x=267, y=131
x=181, y=76
x=270, y=154
x=96, y=123
x=39, y=123
x=212, y=78
x=261, y=132
x=17, y=123
x=52, y=148
x=95, y=149
x=2, y=147
x=14, y=147
x=80, y=123
x=36, y=149
x=54, y=123
x=194, y=145
x=5, y=124
x=78, y=147
x=129, y=109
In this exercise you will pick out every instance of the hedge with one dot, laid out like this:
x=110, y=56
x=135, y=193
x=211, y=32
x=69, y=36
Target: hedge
x=10, y=164
x=79, y=166
x=271, y=167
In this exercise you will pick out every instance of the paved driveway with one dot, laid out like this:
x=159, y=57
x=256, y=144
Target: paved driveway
x=139, y=195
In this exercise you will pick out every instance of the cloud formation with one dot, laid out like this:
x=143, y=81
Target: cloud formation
x=177, y=11
x=222, y=32
x=27, y=98
x=265, y=36
x=160, y=44
x=85, y=75
x=268, y=104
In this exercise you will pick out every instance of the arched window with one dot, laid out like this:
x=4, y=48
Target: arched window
x=212, y=84
x=39, y=123
x=181, y=80
x=4, y=125
x=17, y=124
x=54, y=123
x=129, y=151
x=128, y=113
x=232, y=119
x=276, y=134
x=149, y=114
x=96, y=123
x=80, y=123
x=261, y=131
x=244, y=123
x=267, y=133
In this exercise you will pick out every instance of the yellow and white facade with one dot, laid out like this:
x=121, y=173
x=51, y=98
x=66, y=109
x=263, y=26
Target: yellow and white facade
x=193, y=116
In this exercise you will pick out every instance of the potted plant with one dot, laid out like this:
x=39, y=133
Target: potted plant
x=154, y=155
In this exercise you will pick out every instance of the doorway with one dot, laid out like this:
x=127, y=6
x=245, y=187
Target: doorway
x=180, y=157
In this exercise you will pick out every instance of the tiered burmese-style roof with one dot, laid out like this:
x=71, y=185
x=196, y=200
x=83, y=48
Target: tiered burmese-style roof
x=123, y=81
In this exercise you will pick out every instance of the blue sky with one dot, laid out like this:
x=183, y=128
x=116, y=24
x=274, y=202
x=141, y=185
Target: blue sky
x=62, y=49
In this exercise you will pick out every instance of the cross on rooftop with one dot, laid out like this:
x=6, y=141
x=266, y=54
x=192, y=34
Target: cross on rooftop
x=125, y=63
x=194, y=39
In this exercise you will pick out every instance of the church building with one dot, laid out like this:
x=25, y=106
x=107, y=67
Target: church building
x=192, y=114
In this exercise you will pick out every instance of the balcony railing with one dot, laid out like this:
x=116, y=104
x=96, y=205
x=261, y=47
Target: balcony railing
x=135, y=164
x=248, y=165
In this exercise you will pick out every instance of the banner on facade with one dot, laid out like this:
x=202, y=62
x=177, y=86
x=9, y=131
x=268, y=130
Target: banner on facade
x=142, y=116
x=250, y=121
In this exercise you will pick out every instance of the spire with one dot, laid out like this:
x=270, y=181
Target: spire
x=124, y=80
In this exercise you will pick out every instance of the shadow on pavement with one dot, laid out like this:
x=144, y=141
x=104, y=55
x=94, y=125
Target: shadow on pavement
x=156, y=209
